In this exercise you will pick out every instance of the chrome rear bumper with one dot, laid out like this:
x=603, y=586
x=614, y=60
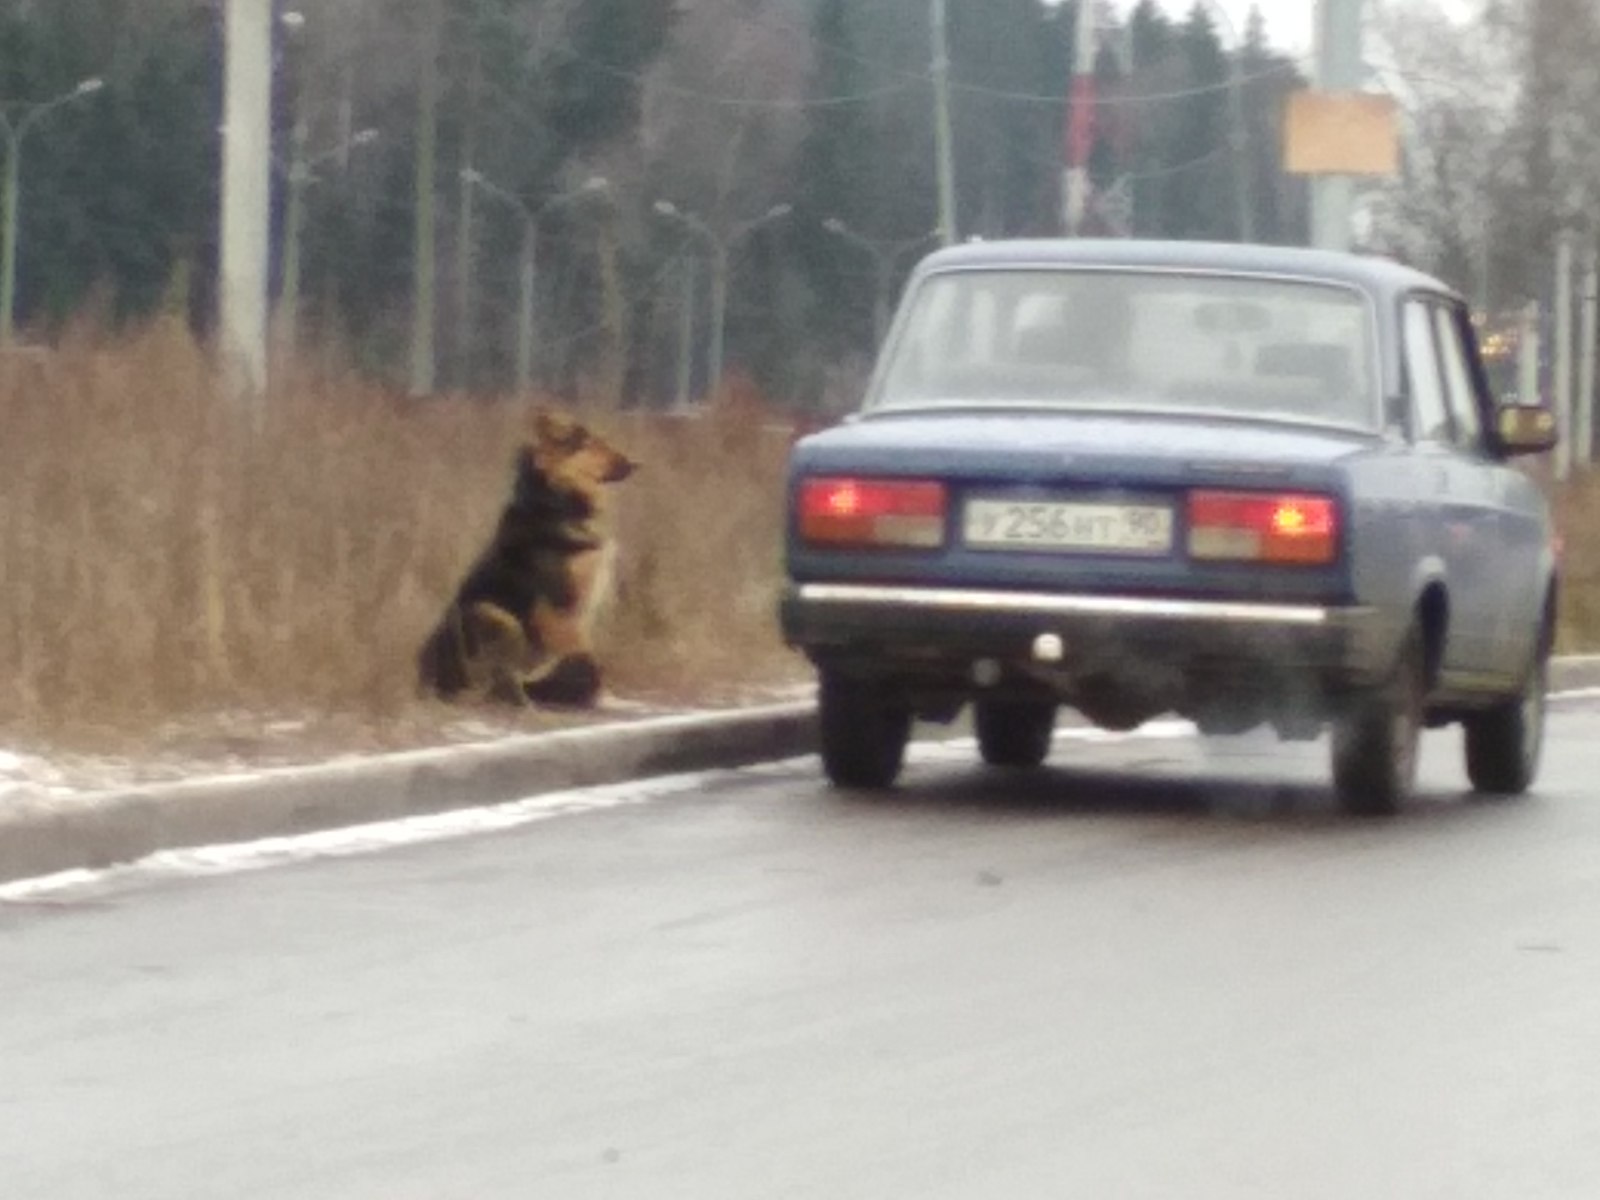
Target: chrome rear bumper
x=1084, y=632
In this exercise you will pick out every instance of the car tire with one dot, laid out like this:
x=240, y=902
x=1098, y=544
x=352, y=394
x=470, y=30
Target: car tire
x=1377, y=742
x=1014, y=733
x=864, y=732
x=1504, y=745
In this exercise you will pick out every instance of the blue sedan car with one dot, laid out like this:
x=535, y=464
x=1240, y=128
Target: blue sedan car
x=1247, y=485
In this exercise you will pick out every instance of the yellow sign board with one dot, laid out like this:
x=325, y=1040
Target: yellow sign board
x=1341, y=133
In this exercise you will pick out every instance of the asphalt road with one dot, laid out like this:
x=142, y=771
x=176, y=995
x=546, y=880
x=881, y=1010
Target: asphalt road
x=1145, y=973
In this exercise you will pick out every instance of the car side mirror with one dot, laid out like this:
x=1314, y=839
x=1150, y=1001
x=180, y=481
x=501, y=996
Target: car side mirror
x=1526, y=429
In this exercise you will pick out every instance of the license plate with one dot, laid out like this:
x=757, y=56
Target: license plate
x=1068, y=526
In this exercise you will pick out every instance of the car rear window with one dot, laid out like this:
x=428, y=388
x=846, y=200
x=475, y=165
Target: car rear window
x=1136, y=340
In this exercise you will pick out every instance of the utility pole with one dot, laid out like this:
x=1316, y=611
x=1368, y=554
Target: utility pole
x=1339, y=69
x=944, y=141
x=246, y=192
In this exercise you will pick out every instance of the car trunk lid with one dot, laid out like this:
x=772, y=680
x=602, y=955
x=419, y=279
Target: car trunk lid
x=1086, y=502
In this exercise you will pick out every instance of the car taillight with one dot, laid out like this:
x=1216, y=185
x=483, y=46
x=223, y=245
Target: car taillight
x=1263, y=527
x=872, y=512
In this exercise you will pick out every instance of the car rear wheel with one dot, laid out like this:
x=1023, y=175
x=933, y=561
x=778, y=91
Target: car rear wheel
x=1504, y=745
x=1377, y=742
x=1014, y=733
x=864, y=733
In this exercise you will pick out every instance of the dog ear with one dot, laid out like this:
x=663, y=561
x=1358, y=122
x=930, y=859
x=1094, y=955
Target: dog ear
x=545, y=425
x=553, y=428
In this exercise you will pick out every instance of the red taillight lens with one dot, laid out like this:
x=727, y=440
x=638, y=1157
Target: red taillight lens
x=1263, y=527
x=872, y=512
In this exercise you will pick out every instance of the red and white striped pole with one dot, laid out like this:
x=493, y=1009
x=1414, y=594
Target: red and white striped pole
x=1082, y=122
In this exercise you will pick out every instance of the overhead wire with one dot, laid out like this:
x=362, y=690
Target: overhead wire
x=912, y=80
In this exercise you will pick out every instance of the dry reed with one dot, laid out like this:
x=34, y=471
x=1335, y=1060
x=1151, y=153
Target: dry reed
x=161, y=562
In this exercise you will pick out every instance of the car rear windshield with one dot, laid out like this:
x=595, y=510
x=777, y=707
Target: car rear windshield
x=1206, y=343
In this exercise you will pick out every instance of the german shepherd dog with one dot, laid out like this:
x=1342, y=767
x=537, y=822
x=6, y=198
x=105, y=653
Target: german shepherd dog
x=519, y=628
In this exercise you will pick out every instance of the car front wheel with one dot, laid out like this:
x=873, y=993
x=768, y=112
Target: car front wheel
x=1014, y=733
x=864, y=733
x=1504, y=744
x=1377, y=742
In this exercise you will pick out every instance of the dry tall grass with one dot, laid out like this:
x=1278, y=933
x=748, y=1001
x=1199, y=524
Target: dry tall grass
x=159, y=564
x=1577, y=504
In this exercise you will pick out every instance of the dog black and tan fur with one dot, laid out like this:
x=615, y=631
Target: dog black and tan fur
x=519, y=628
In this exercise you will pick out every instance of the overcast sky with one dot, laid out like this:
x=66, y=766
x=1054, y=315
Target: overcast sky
x=1288, y=21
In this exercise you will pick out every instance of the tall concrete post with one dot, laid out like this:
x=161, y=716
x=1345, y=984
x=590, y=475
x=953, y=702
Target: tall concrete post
x=1588, y=331
x=246, y=195
x=1339, y=69
x=944, y=140
x=1561, y=356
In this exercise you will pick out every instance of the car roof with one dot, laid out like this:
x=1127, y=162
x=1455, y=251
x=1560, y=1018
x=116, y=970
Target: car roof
x=1379, y=275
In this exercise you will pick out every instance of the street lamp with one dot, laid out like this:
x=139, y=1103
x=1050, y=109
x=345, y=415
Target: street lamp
x=722, y=249
x=1243, y=192
x=301, y=176
x=884, y=257
x=595, y=185
x=11, y=193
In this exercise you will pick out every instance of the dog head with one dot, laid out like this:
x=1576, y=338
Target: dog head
x=572, y=457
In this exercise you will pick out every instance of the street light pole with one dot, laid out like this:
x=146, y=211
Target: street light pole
x=884, y=257
x=293, y=219
x=685, y=334
x=721, y=258
x=1243, y=189
x=301, y=177
x=527, y=262
x=11, y=197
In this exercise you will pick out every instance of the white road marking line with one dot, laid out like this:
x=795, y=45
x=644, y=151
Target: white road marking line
x=1588, y=693
x=360, y=839
x=380, y=836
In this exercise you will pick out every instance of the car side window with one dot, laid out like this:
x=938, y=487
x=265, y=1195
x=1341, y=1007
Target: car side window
x=1460, y=390
x=1430, y=410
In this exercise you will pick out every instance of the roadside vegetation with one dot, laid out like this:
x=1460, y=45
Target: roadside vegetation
x=168, y=569
x=163, y=564
x=1576, y=505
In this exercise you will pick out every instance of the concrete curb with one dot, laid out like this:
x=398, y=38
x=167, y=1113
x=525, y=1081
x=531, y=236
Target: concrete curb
x=1575, y=672
x=103, y=829
x=107, y=828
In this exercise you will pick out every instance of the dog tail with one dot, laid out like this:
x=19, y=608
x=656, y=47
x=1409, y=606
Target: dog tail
x=572, y=682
